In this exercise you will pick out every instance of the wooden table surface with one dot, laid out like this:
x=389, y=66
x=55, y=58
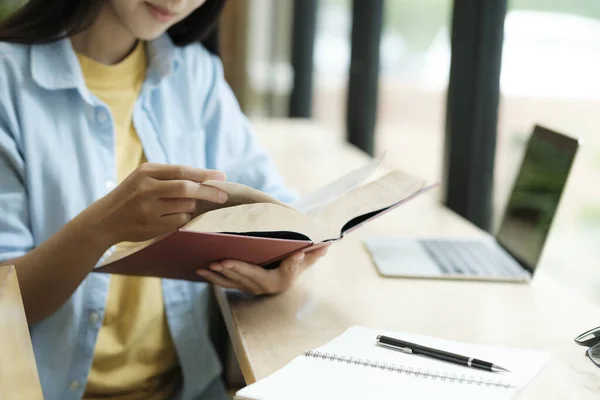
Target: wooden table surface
x=344, y=288
x=18, y=372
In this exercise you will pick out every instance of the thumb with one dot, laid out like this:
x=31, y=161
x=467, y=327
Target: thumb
x=292, y=263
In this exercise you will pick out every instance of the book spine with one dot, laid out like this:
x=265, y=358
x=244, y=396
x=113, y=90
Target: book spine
x=407, y=370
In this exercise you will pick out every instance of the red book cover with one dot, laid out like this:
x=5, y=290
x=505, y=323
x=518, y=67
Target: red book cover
x=180, y=254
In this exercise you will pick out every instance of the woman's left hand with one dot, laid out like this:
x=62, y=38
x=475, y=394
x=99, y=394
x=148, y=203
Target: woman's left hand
x=258, y=280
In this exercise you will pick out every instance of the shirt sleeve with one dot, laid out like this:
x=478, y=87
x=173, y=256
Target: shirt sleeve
x=16, y=238
x=231, y=144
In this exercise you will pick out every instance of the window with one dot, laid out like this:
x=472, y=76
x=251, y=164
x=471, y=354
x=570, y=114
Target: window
x=412, y=86
x=550, y=76
x=331, y=63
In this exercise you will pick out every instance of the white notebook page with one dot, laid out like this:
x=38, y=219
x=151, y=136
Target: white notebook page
x=316, y=378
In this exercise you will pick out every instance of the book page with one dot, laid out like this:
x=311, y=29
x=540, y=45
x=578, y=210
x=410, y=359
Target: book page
x=124, y=249
x=392, y=188
x=237, y=194
x=312, y=203
x=259, y=217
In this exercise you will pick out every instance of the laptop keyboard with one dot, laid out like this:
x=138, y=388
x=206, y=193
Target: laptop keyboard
x=471, y=258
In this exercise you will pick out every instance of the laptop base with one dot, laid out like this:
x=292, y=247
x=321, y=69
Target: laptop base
x=454, y=259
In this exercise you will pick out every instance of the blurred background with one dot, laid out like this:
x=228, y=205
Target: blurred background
x=293, y=58
x=549, y=74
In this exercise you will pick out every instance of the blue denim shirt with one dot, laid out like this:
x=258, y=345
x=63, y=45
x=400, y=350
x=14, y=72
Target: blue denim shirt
x=57, y=157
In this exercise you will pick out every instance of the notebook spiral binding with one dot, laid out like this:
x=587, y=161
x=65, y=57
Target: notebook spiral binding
x=424, y=373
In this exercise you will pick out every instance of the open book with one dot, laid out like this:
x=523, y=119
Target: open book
x=256, y=228
x=352, y=366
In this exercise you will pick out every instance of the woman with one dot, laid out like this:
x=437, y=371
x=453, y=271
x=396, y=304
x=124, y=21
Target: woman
x=111, y=116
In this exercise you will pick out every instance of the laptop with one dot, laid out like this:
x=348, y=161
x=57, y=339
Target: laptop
x=512, y=255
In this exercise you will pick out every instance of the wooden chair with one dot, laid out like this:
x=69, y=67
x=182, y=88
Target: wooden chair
x=18, y=372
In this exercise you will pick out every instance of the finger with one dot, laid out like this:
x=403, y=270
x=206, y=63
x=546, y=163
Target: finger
x=217, y=279
x=266, y=280
x=247, y=284
x=318, y=252
x=188, y=190
x=177, y=206
x=312, y=256
x=180, y=172
x=321, y=251
x=292, y=266
x=175, y=220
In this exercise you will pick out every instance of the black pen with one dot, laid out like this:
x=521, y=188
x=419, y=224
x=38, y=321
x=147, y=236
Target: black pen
x=412, y=348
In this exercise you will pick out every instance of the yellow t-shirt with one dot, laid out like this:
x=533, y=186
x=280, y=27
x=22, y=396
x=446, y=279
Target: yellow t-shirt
x=134, y=357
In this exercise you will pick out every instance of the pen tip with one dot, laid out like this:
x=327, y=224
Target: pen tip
x=496, y=368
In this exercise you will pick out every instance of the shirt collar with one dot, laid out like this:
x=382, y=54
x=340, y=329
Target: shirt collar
x=54, y=66
x=163, y=59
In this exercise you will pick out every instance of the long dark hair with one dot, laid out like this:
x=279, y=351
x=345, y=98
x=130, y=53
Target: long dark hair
x=44, y=21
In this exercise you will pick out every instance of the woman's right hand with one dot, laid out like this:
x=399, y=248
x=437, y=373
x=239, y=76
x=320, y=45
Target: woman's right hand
x=153, y=200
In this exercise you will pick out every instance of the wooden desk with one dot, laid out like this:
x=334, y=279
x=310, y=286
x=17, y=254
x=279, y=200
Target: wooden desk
x=18, y=372
x=344, y=288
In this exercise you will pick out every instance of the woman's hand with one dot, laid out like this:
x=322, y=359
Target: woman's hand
x=258, y=280
x=153, y=200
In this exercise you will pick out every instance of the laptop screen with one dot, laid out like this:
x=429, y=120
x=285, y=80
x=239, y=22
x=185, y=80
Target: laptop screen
x=536, y=194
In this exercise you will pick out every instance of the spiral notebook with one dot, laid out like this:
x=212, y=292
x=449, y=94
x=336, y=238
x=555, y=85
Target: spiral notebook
x=352, y=366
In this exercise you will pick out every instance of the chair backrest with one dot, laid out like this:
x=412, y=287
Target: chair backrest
x=19, y=377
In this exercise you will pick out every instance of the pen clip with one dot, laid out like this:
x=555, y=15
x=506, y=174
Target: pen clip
x=401, y=349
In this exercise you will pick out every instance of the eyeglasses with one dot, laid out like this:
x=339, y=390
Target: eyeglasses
x=591, y=339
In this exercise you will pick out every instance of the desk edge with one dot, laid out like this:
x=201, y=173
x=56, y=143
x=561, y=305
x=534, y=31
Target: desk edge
x=236, y=340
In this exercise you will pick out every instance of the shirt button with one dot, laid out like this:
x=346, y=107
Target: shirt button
x=101, y=115
x=74, y=386
x=94, y=318
x=110, y=185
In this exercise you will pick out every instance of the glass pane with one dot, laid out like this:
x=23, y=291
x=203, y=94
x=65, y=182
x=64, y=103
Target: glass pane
x=332, y=62
x=550, y=76
x=415, y=58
